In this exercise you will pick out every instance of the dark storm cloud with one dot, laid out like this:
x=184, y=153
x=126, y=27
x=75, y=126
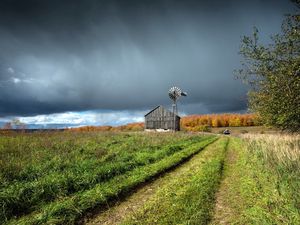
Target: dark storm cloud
x=58, y=56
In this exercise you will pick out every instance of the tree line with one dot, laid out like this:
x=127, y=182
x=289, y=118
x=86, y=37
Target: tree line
x=188, y=123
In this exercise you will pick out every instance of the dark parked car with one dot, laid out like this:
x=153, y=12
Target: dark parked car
x=226, y=132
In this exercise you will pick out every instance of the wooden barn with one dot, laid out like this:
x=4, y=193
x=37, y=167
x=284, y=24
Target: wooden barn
x=160, y=118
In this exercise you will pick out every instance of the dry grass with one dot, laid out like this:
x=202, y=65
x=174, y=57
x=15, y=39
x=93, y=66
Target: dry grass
x=277, y=149
x=271, y=183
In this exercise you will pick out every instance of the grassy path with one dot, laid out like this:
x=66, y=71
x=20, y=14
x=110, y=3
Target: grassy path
x=228, y=198
x=185, y=194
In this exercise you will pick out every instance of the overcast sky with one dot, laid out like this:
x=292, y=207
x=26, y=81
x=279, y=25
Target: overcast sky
x=108, y=62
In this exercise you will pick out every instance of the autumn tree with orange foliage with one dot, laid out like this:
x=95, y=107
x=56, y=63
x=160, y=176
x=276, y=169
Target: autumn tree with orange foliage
x=198, y=122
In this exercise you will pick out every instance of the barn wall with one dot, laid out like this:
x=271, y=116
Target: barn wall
x=160, y=118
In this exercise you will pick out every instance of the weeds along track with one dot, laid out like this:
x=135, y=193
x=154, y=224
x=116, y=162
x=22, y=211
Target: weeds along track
x=65, y=193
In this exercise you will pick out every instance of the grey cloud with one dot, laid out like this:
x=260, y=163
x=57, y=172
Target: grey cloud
x=119, y=55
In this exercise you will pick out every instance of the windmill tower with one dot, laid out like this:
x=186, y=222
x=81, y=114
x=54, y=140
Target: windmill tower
x=174, y=94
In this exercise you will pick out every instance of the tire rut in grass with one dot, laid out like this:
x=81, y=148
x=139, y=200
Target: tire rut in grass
x=223, y=210
x=118, y=211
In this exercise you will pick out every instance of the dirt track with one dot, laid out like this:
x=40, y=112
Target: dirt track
x=115, y=214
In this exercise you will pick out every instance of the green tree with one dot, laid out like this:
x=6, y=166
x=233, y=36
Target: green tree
x=273, y=72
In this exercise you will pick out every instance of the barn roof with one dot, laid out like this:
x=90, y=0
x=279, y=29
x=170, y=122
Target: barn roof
x=161, y=107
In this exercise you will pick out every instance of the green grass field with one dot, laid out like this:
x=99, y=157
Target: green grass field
x=56, y=177
x=60, y=178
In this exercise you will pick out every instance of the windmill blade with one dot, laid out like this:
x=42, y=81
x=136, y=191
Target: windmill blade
x=174, y=93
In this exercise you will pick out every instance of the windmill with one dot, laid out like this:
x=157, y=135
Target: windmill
x=174, y=94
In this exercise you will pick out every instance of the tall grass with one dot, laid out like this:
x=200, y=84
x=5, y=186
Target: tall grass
x=272, y=182
x=277, y=149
